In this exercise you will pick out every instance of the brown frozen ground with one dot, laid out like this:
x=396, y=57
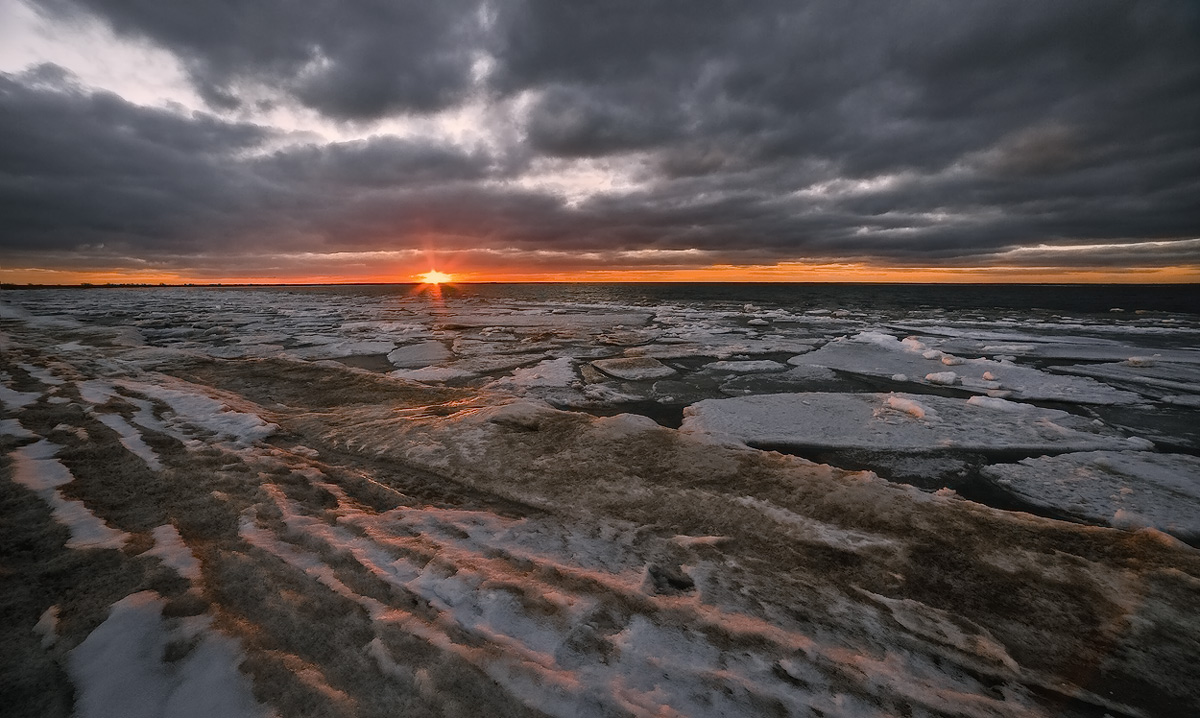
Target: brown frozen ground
x=395, y=549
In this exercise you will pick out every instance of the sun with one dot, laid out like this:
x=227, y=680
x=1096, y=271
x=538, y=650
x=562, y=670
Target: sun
x=433, y=276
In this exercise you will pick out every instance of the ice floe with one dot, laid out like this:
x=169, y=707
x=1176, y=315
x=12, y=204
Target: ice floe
x=416, y=356
x=898, y=423
x=1126, y=489
x=877, y=354
x=634, y=368
x=745, y=367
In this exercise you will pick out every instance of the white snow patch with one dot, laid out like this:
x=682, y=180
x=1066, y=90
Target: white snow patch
x=131, y=439
x=549, y=373
x=12, y=427
x=173, y=552
x=13, y=399
x=42, y=374
x=876, y=354
x=811, y=530
x=119, y=669
x=205, y=412
x=912, y=407
x=945, y=378
x=35, y=468
x=47, y=626
x=95, y=391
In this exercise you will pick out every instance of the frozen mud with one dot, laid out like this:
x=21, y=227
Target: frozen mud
x=252, y=529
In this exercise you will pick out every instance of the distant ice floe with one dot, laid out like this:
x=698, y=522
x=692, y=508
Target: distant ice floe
x=745, y=367
x=968, y=340
x=876, y=354
x=634, y=368
x=898, y=423
x=549, y=373
x=131, y=439
x=420, y=355
x=1145, y=372
x=1125, y=489
x=570, y=320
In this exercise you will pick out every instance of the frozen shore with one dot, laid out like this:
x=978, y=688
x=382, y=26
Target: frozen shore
x=210, y=502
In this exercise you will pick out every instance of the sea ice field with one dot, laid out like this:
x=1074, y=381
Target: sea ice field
x=514, y=500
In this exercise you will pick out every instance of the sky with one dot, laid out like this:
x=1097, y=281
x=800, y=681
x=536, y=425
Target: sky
x=374, y=140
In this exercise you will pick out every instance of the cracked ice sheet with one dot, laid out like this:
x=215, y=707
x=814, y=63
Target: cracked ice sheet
x=1149, y=371
x=897, y=423
x=876, y=354
x=119, y=669
x=1125, y=489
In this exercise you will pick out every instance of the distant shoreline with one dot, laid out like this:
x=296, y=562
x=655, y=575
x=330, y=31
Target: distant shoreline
x=232, y=285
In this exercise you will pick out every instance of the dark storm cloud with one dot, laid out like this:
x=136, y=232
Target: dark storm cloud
x=350, y=60
x=87, y=168
x=936, y=131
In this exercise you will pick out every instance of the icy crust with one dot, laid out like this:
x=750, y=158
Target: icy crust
x=120, y=668
x=1061, y=344
x=1124, y=489
x=398, y=549
x=897, y=423
x=796, y=512
x=877, y=354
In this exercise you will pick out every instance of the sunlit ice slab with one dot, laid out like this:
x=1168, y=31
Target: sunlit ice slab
x=1125, y=489
x=898, y=422
x=880, y=355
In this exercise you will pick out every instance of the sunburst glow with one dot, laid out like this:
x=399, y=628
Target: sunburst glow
x=435, y=277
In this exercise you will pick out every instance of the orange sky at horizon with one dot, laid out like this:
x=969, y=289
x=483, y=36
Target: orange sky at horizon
x=782, y=272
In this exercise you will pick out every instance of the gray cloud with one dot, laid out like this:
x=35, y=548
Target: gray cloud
x=356, y=60
x=937, y=131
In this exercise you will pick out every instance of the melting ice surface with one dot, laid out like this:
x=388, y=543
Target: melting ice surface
x=566, y=499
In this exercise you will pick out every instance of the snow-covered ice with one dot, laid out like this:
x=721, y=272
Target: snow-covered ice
x=634, y=368
x=1126, y=489
x=877, y=354
x=501, y=520
x=898, y=423
x=120, y=669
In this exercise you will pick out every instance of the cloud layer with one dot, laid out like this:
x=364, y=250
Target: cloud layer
x=937, y=133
